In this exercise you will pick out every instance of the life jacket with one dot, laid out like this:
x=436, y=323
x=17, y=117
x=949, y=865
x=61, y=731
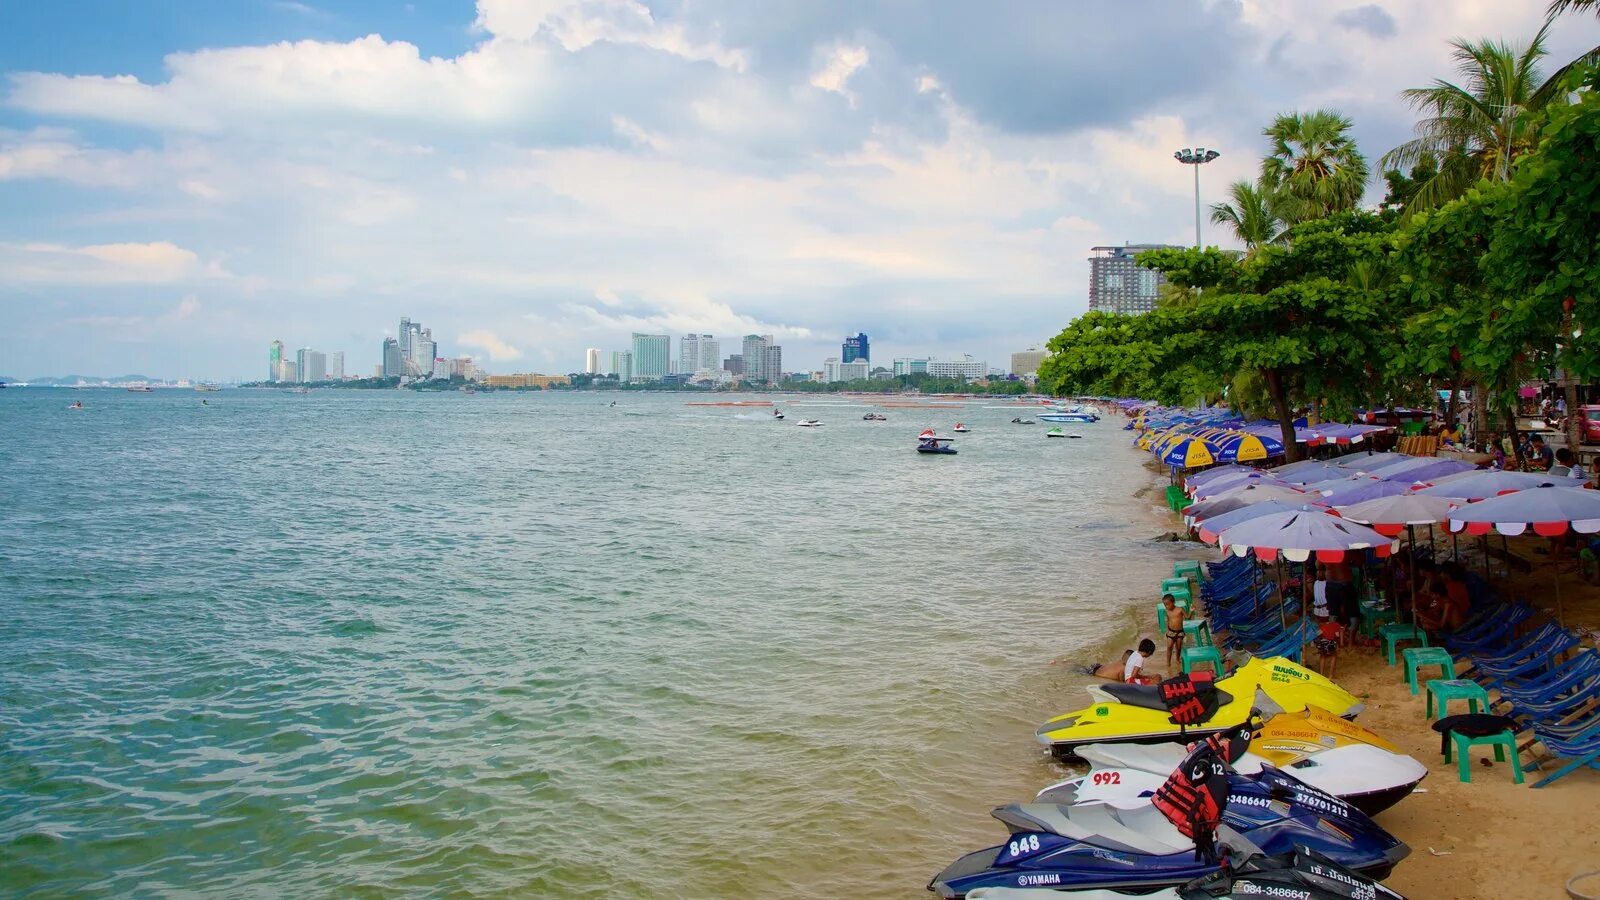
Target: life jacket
x=1195, y=794
x=1191, y=698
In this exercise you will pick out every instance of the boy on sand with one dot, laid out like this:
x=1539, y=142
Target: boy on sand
x=1174, y=629
x=1133, y=670
x=1329, y=635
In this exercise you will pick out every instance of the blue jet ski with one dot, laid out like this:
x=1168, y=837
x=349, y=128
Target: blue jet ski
x=1072, y=846
x=1304, y=875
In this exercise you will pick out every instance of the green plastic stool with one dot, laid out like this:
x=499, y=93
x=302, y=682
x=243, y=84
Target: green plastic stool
x=1174, y=494
x=1394, y=633
x=1171, y=584
x=1187, y=569
x=1372, y=616
x=1421, y=657
x=1196, y=633
x=1181, y=595
x=1447, y=689
x=1502, y=743
x=1194, y=656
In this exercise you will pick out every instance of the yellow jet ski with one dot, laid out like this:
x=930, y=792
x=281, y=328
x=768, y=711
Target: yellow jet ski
x=1133, y=713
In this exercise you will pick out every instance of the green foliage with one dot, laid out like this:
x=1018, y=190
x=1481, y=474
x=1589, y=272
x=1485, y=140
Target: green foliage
x=1314, y=167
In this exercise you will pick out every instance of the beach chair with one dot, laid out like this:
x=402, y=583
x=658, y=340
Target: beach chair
x=1491, y=628
x=1529, y=660
x=1582, y=749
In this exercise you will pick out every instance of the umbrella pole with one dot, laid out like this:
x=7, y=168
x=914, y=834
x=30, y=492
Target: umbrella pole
x=1561, y=613
x=1455, y=549
x=1283, y=599
x=1411, y=569
x=1430, y=542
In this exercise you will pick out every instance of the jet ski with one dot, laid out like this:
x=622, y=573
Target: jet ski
x=1306, y=875
x=1132, y=713
x=1020, y=421
x=1174, y=838
x=1335, y=756
x=809, y=423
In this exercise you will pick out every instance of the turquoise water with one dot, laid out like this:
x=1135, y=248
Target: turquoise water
x=344, y=641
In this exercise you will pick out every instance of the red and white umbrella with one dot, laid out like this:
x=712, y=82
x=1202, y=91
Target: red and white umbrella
x=1549, y=510
x=1390, y=515
x=1299, y=533
x=1482, y=484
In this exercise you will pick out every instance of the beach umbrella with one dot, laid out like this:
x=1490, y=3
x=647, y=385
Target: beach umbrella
x=1388, y=515
x=1217, y=524
x=1299, y=533
x=1243, y=446
x=1199, y=479
x=1370, y=462
x=1317, y=471
x=1189, y=452
x=1362, y=490
x=1234, y=480
x=1424, y=468
x=1550, y=510
x=1486, y=483
x=1295, y=468
x=1238, y=499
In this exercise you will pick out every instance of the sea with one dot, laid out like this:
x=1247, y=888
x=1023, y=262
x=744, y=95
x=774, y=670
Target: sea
x=256, y=643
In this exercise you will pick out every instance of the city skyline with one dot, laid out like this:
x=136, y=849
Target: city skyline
x=534, y=179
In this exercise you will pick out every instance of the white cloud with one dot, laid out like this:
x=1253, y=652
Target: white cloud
x=577, y=24
x=489, y=343
x=837, y=64
x=159, y=262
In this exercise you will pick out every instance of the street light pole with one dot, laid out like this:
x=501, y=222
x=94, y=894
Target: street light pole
x=1197, y=157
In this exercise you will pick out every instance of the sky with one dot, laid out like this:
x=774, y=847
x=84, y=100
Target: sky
x=184, y=181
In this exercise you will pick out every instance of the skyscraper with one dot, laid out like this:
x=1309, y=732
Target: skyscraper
x=394, y=361
x=688, y=354
x=313, y=365
x=1117, y=283
x=755, y=357
x=1026, y=362
x=710, y=354
x=423, y=353
x=336, y=365
x=652, y=356
x=274, y=360
x=734, y=364
x=857, y=348
x=774, y=361
x=591, y=361
x=622, y=364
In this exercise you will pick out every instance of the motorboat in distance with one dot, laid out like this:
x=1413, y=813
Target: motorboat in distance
x=809, y=423
x=961, y=428
x=1076, y=414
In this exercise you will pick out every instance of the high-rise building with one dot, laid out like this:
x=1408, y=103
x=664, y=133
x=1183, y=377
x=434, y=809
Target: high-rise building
x=313, y=365
x=965, y=367
x=734, y=364
x=336, y=365
x=652, y=356
x=622, y=364
x=1026, y=362
x=857, y=348
x=591, y=361
x=908, y=366
x=688, y=354
x=1118, y=284
x=710, y=354
x=274, y=360
x=854, y=370
x=288, y=370
x=774, y=364
x=763, y=360
x=394, y=360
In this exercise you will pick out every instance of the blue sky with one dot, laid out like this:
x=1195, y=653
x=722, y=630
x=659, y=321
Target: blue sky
x=185, y=182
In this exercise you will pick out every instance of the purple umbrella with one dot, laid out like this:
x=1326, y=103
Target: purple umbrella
x=1220, y=523
x=1486, y=483
x=1295, y=468
x=1199, y=479
x=1232, y=480
x=1424, y=469
x=1310, y=474
x=1370, y=462
x=1242, y=497
x=1363, y=490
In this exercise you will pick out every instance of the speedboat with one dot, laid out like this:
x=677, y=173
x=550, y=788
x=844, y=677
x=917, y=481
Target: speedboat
x=1304, y=875
x=1081, y=414
x=1135, y=713
x=960, y=428
x=809, y=423
x=874, y=417
x=1331, y=754
x=1172, y=839
x=141, y=389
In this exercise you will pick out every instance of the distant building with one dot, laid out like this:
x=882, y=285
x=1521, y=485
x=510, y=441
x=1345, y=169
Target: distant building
x=855, y=370
x=336, y=365
x=1118, y=284
x=908, y=366
x=313, y=365
x=526, y=380
x=591, y=361
x=857, y=348
x=1027, y=362
x=275, y=361
x=652, y=356
x=697, y=352
x=965, y=367
x=622, y=365
x=394, y=360
x=763, y=360
x=734, y=365
x=417, y=349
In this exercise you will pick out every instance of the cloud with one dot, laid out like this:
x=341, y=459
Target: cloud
x=1370, y=19
x=577, y=24
x=489, y=343
x=837, y=64
x=159, y=262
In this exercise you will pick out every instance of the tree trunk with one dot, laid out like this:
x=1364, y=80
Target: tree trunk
x=1511, y=429
x=1280, y=405
x=1452, y=405
x=1574, y=423
x=1480, y=414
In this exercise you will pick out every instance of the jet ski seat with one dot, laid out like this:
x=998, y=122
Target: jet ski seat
x=1142, y=830
x=1148, y=696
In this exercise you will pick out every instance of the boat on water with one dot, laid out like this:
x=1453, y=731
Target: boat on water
x=928, y=442
x=1076, y=414
x=777, y=415
x=1055, y=432
x=874, y=417
x=141, y=389
x=76, y=404
x=207, y=388
x=961, y=428
x=809, y=423
x=1022, y=421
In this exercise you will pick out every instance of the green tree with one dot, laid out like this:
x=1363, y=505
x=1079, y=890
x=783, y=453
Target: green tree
x=1587, y=60
x=1253, y=216
x=1478, y=125
x=1314, y=166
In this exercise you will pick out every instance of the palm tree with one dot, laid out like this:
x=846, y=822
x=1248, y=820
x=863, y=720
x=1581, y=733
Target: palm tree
x=1557, y=7
x=1314, y=167
x=1476, y=128
x=1253, y=215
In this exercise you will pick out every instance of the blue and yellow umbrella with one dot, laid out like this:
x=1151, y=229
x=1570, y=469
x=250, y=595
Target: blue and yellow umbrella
x=1243, y=446
x=1188, y=452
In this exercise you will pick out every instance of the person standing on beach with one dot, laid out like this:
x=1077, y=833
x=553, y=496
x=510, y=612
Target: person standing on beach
x=1174, y=629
